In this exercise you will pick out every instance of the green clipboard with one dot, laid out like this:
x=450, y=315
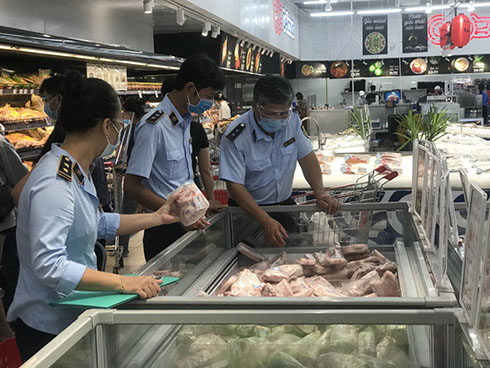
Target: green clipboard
x=102, y=299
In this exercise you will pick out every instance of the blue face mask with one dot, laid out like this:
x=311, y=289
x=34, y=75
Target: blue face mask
x=47, y=109
x=110, y=148
x=272, y=125
x=202, y=106
x=126, y=122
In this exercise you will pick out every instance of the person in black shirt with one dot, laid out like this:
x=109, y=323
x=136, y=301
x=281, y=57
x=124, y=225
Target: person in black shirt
x=372, y=96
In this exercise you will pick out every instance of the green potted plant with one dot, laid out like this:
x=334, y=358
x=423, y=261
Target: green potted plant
x=435, y=124
x=358, y=123
x=410, y=127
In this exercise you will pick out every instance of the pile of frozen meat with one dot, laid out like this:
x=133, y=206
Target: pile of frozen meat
x=338, y=272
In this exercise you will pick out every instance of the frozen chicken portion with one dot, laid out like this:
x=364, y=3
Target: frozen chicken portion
x=295, y=346
x=321, y=274
x=190, y=204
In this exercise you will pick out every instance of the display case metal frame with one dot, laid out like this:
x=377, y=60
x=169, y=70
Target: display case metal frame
x=418, y=290
x=96, y=325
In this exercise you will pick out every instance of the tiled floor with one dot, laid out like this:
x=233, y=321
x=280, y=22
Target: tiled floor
x=136, y=258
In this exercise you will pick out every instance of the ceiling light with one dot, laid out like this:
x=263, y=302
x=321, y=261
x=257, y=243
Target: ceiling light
x=379, y=11
x=180, y=15
x=206, y=27
x=254, y=47
x=328, y=7
x=46, y=35
x=317, y=2
x=216, y=31
x=148, y=6
x=263, y=51
x=332, y=14
x=481, y=5
x=242, y=43
x=282, y=59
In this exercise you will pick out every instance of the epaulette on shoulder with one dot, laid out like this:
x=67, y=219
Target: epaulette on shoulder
x=236, y=132
x=65, y=168
x=155, y=117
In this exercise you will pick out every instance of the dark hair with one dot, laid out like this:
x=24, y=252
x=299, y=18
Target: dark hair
x=85, y=102
x=274, y=89
x=168, y=86
x=373, y=87
x=299, y=96
x=202, y=71
x=52, y=85
x=134, y=104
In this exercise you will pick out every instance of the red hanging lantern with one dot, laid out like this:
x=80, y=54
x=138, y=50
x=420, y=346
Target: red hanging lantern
x=460, y=30
x=445, y=35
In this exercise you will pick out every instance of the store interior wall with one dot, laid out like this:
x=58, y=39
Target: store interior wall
x=121, y=22
x=255, y=17
x=312, y=87
x=335, y=38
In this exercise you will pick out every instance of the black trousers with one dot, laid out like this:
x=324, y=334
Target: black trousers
x=284, y=219
x=485, y=114
x=158, y=238
x=29, y=340
x=10, y=267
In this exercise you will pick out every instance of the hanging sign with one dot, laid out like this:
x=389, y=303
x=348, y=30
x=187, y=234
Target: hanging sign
x=375, y=35
x=414, y=29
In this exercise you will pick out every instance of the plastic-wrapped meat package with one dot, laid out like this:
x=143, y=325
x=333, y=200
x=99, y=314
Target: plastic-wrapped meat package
x=190, y=205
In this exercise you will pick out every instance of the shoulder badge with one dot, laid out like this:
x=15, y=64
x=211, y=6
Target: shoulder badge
x=173, y=118
x=64, y=168
x=305, y=132
x=155, y=117
x=236, y=132
x=78, y=173
x=289, y=142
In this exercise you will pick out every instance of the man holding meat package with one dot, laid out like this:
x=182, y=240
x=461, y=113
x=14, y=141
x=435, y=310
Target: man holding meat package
x=161, y=158
x=259, y=154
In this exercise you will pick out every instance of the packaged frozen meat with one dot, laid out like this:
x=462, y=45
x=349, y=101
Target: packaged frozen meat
x=190, y=204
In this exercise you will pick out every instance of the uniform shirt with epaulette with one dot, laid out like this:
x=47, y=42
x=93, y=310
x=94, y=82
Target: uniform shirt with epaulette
x=58, y=224
x=162, y=150
x=264, y=165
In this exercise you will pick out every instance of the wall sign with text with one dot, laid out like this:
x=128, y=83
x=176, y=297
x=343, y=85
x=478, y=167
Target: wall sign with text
x=283, y=20
x=414, y=31
x=375, y=35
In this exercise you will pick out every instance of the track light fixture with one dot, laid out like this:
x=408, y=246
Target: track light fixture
x=148, y=6
x=180, y=15
x=216, y=31
x=206, y=27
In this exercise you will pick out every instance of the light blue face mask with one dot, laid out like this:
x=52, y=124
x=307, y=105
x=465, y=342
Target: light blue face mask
x=272, y=125
x=202, y=106
x=110, y=148
x=47, y=109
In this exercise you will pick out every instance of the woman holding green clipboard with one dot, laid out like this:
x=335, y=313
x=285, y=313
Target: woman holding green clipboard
x=59, y=219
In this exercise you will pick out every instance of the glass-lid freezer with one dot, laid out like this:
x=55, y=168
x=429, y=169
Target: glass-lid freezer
x=263, y=338
x=365, y=255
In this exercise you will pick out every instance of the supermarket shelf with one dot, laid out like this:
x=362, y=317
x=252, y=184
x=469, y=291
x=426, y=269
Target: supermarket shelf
x=18, y=91
x=24, y=125
x=29, y=153
x=138, y=92
x=404, y=90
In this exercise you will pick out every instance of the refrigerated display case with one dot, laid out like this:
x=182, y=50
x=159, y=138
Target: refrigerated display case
x=269, y=338
x=205, y=259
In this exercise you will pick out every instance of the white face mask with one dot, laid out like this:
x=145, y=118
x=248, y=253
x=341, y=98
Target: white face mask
x=110, y=148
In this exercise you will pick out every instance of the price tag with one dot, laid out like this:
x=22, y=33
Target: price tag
x=140, y=95
x=32, y=91
x=1, y=91
x=156, y=93
x=14, y=91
